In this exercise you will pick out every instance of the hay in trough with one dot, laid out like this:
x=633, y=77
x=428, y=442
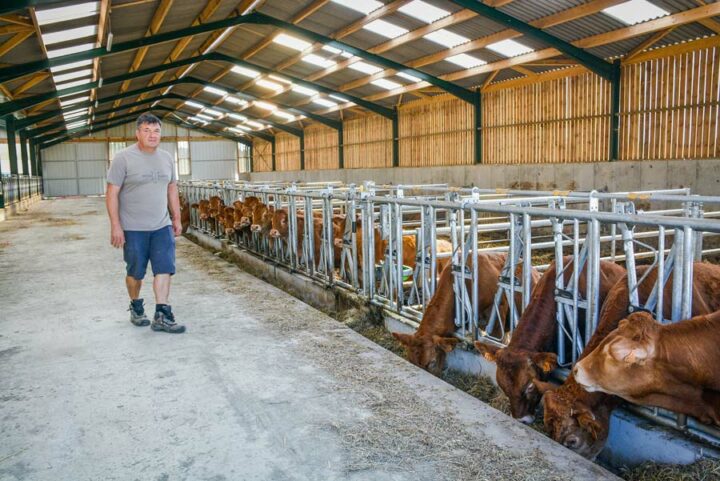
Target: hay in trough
x=704, y=470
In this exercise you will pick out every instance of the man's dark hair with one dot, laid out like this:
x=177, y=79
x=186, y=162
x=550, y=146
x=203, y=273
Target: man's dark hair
x=148, y=119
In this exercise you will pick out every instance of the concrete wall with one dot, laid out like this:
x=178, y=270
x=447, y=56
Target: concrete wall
x=703, y=176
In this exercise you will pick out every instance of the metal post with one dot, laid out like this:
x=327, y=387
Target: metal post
x=478, y=126
x=341, y=150
x=395, y=140
x=302, y=151
x=12, y=151
x=24, y=153
x=615, y=111
x=33, y=158
x=272, y=152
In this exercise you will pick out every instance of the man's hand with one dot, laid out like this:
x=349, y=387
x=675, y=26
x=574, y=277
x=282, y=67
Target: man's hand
x=177, y=227
x=117, y=236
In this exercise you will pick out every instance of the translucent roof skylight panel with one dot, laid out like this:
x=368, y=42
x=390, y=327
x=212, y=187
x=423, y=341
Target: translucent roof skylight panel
x=318, y=60
x=269, y=84
x=529, y=10
x=75, y=83
x=385, y=28
x=70, y=34
x=446, y=38
x=386, y=84
x=61, y=68
x=292, y=42
x=362, y=6
x=509, y=48
x=68, y=50
x=70, y=12
x=245, y=71
x=365, y=68
x=635, y=11
x=424, y=11
x=465, y=60
x=72, y=75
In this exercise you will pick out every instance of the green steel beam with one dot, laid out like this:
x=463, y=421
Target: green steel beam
x=33, y=157
x=24, y=153
x=19, y=70
x=272, y=154
x=12, y=151
x=186, y=125
x=15, y=5
x=334, y=124
x=16, y=105
x=592, y=62
x=615, y=114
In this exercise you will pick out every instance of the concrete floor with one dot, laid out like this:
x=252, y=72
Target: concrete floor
x=261, y=387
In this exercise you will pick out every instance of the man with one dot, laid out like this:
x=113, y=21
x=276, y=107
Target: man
x=141, y=186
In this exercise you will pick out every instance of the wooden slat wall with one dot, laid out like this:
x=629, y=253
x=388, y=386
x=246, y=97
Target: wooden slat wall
x=262, y=156
x=670, y=107
x=562, y=120
x=321, y=148
x=368, y=142
x=436, y=131
x=287, y=152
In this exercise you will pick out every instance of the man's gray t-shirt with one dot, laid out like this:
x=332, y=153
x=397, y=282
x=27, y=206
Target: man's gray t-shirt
x=143, y=179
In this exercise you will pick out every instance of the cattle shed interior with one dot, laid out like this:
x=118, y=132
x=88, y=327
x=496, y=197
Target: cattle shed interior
x=511, y=270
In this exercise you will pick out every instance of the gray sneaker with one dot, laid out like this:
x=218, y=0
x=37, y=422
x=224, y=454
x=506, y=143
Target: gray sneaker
x=164, y=320
x=137, y=313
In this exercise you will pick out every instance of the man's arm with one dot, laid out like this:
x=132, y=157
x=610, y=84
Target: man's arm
x=174, y=206
x=117, y=236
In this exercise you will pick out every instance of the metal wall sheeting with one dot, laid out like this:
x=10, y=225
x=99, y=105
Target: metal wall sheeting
x=213, y=160
x=75, y=169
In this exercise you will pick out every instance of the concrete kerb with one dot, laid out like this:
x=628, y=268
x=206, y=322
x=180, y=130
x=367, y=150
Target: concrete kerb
x=632, y=441
x=23, y=205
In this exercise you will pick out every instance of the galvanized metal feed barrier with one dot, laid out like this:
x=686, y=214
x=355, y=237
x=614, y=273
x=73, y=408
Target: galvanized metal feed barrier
x=15, y=188
x=665, y=228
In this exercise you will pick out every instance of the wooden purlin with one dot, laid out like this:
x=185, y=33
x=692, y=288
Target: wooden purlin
x=102, y=23
x=14, y=41
x=155, y=23
x=35, y=79
x=209, y=9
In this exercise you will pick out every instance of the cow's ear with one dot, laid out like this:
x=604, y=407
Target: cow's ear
x=488, y=351
x=630, y=352
x=547, y=361
x=543, y=386
x=447, y=344
x=587, y=420
x=404, y=339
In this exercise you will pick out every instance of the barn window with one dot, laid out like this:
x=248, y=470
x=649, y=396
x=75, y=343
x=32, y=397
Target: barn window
x=183, y=156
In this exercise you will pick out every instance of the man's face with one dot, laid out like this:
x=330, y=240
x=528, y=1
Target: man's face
x=148, y=135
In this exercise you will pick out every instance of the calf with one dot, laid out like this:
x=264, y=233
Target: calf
x=580, y=420
x=526, y=357
x=672, y=366
x=184, y=213
x=281, y=230
x=434, y=338
x=227, y=220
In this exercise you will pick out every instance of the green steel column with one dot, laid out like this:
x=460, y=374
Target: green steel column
x=478, y=127
x=302, y=151
x=33, y=158
x=395, y=140
x=250, y=153
x=39, y=162
x=10, y=126
x=24, y=153
x=341, y=147
x=272, y=150
x=615, y=112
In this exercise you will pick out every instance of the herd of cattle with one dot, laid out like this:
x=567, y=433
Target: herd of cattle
x=629, y=356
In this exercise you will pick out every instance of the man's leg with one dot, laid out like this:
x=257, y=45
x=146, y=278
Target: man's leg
x=133, y=287
x=161, y=288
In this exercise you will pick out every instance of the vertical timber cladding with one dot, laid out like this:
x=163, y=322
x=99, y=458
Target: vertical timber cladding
x=287, y=152
x=670, y=106
x=262, y=156
x=321, y=147
x=436, y=131
x=555, y=121
x=368, y=142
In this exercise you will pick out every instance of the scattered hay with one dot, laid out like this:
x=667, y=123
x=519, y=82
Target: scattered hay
x=704, y=470
x=4, y=244
x=363, y=324
x=73, y=237
x=480, y=387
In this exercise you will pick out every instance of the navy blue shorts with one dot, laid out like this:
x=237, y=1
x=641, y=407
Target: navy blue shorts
x=156, y=246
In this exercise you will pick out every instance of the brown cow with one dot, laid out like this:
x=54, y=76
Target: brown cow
x=281, y=230
x=227, y=220
x=672, y=366
x=580, y=420
x=185, y=212
x=525, y=358
x=204, y=209
x=434, y=338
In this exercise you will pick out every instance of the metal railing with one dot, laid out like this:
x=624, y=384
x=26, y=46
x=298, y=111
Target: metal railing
x=666, y=229
x=16, y=188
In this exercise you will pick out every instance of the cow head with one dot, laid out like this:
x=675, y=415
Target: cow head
x=427, y=352
x=516, y=371
x=617, y=365
x=573, y=423
x=280, y=224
